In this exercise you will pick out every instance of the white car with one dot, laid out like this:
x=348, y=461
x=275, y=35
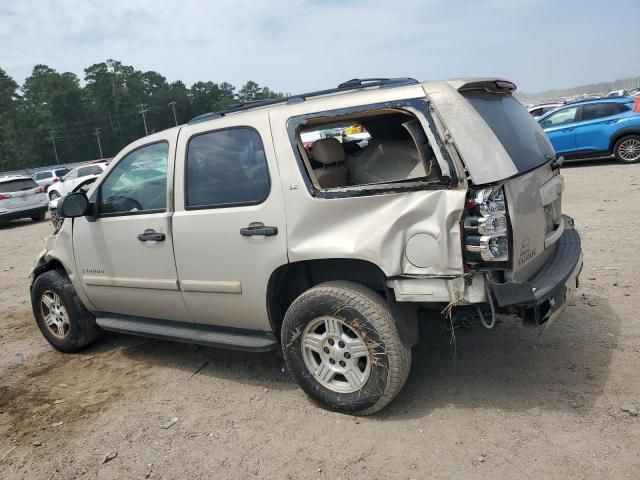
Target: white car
x=46, y=178
x=74, y=178
x=22, y=197
x=539, y=110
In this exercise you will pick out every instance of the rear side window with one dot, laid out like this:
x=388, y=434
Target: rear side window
x=90, y=170
x=61, y=172
x=517, y=130
x=593, y=111
x=138, y=183
x=226, y=168
x=17, y=185
x=43, y=175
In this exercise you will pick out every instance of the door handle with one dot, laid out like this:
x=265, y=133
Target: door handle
x=567, y=129
x=151, y=235
x=258, y=228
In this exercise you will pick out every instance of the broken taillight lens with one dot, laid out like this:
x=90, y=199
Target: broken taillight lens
x=486, y=228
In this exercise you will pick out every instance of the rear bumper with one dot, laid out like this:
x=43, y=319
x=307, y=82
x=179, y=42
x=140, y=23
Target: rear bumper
x=26, y=213
x=546, y=294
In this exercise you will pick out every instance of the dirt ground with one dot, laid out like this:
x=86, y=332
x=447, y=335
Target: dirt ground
x=513, y=405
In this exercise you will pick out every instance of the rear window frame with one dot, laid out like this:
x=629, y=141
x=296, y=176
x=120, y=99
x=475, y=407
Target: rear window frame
x=515, y=157
x=421, y=105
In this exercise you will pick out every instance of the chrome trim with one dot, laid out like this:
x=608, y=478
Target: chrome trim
x=206, y=286
x=130, y=282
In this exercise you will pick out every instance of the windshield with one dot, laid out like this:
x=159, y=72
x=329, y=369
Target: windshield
x=17, y=185
x=519, y=133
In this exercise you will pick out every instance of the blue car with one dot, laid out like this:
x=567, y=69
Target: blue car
x=602, y=128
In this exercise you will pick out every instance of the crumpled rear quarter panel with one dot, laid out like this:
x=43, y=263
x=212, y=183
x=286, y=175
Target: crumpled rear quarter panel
x=376, y=228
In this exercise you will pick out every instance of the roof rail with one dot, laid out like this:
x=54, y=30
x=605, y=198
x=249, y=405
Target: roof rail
x=353, y=84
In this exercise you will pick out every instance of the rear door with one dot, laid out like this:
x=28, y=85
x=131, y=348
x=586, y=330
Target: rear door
x=229, y=224
x=124, y=256
x=597, y=122
x=560, y=127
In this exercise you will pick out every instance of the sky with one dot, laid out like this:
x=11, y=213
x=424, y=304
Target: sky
x=294, y=46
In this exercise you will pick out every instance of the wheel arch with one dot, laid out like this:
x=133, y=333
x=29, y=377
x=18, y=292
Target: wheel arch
x=288, y=281
x=635, y=130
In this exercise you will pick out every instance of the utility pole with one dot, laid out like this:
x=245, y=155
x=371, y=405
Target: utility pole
x=52, y=138
x=173, y=107
x=142, y=111
x=96, y=132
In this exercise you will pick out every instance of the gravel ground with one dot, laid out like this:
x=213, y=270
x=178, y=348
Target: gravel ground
x=513, y=404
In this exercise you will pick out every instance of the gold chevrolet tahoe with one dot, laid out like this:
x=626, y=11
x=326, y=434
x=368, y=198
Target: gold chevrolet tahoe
x=265, y=226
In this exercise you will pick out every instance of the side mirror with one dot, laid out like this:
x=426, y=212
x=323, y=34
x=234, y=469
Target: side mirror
x=73, y=205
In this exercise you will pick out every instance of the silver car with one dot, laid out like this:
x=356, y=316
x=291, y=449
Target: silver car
x=21, y=197
x=228, y=232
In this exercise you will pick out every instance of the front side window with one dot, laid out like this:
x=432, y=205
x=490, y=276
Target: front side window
x=561, y=117
x=226, y=168
x=138, y=183
x=72, y=175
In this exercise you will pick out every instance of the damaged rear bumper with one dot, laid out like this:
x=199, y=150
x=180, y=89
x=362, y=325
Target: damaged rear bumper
x=546, y=294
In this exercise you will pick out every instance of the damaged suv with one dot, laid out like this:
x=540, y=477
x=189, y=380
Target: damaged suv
x=321, y=224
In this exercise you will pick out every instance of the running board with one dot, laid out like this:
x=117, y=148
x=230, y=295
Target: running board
x=206, y=335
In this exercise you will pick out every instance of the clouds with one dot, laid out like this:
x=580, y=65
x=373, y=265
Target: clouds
x=302, y=45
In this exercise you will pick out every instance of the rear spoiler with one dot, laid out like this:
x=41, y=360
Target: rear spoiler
x=494, y=85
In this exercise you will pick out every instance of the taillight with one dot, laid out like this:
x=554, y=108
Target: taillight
x=40, y=190
x=4, y=196
x=486, y=229
x=56, y=180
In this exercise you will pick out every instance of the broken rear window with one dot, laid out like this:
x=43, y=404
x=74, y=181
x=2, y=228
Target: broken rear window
x=385, y=146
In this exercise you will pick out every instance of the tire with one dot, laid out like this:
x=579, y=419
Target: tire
x=74, y=325
x=39, y=217
x=354, y=317
x=53, y=195
x=627, y=149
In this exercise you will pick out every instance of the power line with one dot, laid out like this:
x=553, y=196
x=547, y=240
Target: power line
x=142, y=111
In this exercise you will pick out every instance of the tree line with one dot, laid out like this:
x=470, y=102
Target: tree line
x=105, y=113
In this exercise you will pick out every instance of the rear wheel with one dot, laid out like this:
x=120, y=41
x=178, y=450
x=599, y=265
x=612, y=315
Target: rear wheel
x=39, y=217
x=627, y=149
x=62, y=318
x=342, y=346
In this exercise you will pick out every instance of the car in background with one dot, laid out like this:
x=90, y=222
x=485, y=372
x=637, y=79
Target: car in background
x=616, y=93
x=538, y=110
x=595, y=129
x=83, y=187
x=634, y=92
x=46, y=178
x=22, y=197
x=74, y=178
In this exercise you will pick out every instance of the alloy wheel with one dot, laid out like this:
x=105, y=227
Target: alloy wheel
x=54, y=314
x=336, y=355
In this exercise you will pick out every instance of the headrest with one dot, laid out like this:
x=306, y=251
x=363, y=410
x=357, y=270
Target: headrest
x=327, y=151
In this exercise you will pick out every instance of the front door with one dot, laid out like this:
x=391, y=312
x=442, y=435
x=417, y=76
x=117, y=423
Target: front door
x=229, y=223
x=125, y=256
x=560, y=127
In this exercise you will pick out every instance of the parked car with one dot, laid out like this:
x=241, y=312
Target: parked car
x=248, y=241
x=46, y=178
x=21, y=197
x=603, y=128
x=538, y=110
x=74, y=178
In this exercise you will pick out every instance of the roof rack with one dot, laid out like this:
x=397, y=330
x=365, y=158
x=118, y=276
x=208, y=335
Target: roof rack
x=353, y=84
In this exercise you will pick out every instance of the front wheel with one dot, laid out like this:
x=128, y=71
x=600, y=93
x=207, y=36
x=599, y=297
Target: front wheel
x=627, y=149
x=62, y=318
x=342, y=346
x=53, y=195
